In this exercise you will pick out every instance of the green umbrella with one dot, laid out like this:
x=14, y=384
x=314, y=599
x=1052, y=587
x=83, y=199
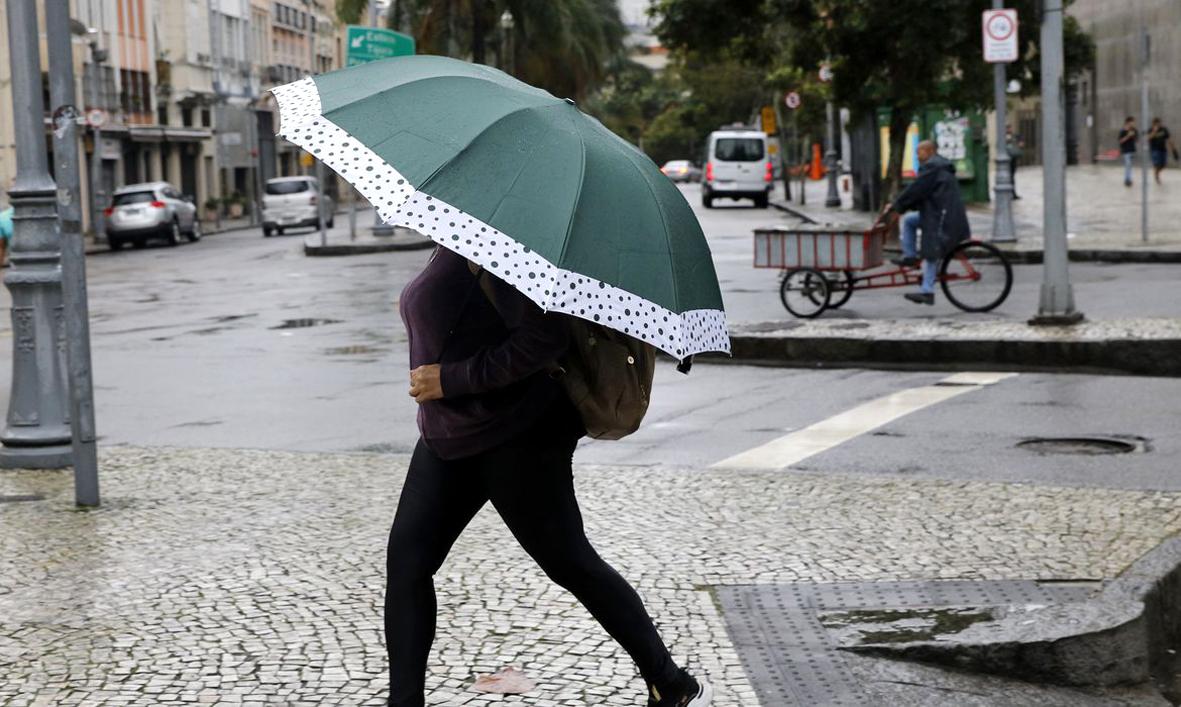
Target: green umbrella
x=540, y=194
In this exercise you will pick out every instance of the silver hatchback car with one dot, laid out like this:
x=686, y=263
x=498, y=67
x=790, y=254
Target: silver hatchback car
x=140, y=212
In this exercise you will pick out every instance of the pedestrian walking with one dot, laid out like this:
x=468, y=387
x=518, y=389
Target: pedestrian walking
x=941, y=218
x=536, y=274
x=1128, y=135
x=1015, y=146
x=1160, y=142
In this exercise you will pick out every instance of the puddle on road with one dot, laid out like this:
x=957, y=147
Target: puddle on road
x=304, y=323
x=901, y=625
x=227, y=318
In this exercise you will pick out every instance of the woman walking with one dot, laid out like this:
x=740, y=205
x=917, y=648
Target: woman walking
x=548, y=223
x=496, y=427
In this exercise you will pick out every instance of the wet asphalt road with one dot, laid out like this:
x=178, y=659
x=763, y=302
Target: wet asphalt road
x=241, y=341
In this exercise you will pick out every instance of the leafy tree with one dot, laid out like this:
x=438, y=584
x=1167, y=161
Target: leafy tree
x=350, y=12
x=902, y=54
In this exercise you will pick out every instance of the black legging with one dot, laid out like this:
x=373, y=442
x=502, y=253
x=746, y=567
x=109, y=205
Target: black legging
x=530, y=483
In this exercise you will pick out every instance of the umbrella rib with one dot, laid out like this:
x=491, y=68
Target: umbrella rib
x=577, y=196
x=660, y=212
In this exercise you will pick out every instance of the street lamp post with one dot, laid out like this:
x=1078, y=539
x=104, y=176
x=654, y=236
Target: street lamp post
x=1057, y=298
x=97, y=57
x=37, y=433
x=380, y=228
x=73, y=258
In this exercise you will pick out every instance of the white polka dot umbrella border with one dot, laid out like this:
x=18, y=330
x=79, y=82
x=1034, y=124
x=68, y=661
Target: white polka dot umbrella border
x=551, y=287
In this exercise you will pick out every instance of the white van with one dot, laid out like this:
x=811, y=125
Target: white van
x=737, y=166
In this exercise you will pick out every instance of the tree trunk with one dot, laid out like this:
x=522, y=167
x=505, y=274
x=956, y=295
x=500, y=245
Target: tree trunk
x=479, y=30
x=899, y=124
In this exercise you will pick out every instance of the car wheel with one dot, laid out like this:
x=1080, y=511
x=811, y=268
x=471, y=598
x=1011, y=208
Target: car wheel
x=761, y=202
x=172, y=235
x=195, y=233
x=267, y=231
x=707, y=201
x=115, y=243
x=139, y=242
x=330, y=223
x=278, y=231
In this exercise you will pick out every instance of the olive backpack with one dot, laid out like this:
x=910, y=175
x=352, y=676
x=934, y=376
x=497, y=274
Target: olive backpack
x=606, y=373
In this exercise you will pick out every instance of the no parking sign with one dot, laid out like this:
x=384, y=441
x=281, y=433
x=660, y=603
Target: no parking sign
x=1000, y=36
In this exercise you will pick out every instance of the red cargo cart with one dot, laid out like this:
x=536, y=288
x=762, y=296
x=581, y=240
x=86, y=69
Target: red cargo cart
x=822, y=265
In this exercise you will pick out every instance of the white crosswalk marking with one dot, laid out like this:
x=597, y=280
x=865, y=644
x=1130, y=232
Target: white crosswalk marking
x=826, y=434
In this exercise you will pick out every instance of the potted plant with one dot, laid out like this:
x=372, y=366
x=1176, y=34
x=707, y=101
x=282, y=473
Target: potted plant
x=236, y=204
x=211, y=204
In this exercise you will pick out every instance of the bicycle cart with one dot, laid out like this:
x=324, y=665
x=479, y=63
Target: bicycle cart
x=823, y=265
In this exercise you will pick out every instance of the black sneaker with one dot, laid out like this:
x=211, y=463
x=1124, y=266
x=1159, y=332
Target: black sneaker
x=920, y=297
x=905, y=261
x=687, y=693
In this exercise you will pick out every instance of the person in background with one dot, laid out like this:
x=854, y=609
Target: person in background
x=941, y=217
x=5, y=235
x=1159, y=144
x=1015, y=146
x=1127, y=147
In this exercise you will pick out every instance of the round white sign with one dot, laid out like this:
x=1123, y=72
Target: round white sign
x=792, y=100
x=1000, y=27
x=96, y=117
x=825, y=73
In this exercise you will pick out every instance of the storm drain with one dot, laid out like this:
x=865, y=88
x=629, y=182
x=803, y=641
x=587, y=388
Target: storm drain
x=304, y=323
x=1089, y=446
x=792, y=659
x=19, y=498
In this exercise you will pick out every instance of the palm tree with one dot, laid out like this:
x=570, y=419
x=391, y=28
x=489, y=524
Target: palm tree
x=563, y=46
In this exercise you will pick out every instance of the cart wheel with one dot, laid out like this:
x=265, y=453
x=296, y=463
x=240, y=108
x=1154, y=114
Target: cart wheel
x=842, y=289
x=805, y=292
x=975, y=276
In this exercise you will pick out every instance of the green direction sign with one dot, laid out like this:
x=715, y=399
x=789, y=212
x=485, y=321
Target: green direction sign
x=373, y=43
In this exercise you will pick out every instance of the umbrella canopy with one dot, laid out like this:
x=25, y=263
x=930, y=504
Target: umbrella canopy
x=523, y=183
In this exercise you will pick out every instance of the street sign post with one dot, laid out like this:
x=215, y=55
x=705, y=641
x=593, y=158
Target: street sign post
x=367, y=44
x=1000, y=36
x=1000, y=47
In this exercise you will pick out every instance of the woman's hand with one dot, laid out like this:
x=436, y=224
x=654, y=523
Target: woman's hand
x=425, y=383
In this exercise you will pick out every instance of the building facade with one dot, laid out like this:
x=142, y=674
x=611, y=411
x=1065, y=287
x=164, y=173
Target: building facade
x=180, y=87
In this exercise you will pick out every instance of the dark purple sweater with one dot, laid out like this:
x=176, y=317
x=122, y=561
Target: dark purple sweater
x=493, y=363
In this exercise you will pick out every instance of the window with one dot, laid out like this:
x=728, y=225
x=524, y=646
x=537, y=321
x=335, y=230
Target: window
x=161, y=113
x=738, y=149
x=135, y=197
x=294, y=186
x=206, y=118
x=186, y=116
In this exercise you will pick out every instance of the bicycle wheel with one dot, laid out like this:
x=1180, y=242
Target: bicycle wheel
x=804, y=292
x=975, y=276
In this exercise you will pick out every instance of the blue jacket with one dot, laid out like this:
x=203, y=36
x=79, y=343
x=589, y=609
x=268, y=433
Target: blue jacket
x=935, y=193
x=6, y=224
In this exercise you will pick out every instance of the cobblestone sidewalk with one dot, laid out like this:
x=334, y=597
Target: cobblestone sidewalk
x=250, y=577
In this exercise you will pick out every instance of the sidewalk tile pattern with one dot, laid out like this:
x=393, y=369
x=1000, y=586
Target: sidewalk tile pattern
x=251, y=577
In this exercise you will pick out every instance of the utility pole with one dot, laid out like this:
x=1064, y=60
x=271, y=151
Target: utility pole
x=37, y=434
x=73, y=257
x=1003, y=230
x=1057, y=297
x=833, y=199
x=218, y=115
x=1144, y=120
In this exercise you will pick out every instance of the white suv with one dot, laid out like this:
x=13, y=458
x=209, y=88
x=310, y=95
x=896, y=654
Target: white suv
x=737, y=166
x=139, y=212
x=291, y=202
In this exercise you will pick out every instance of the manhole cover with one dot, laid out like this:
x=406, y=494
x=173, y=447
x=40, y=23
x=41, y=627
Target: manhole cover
x=304, y=323
x=17, y=498
x=1080, y=445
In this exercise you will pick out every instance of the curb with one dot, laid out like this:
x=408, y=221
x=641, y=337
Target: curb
x=403, y=240
x=783, y=206
x=1126, y=634
x=1146, y=357
x=1097, y=255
